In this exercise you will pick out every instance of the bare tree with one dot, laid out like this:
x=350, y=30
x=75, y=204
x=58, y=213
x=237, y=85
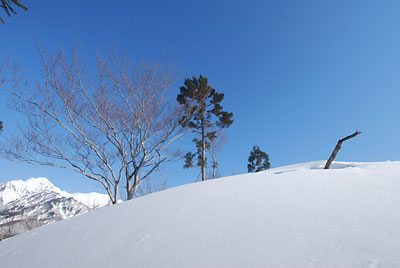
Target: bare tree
x=113, y=127
x=152, y=185
x=7, y=231
x=17, y=224
x=214, y=149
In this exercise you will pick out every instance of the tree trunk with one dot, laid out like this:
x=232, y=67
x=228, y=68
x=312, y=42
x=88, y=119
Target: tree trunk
x=203, y=148
x=132, y=192
x=128, y=187
x=337, y=148
x=132, y=184
x=130, y=195
x=115, y=201
x=214, y=169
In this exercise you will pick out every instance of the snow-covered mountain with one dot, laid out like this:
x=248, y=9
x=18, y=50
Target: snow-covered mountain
x=294, y=216
x=28, y=204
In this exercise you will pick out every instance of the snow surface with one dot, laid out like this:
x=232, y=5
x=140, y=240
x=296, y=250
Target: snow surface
x=294, y=216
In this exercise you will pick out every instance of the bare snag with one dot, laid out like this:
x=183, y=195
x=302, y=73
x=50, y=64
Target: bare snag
x=337, y=148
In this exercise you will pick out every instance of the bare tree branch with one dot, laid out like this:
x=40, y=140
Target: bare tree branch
x=112, y=127
x=337, y=148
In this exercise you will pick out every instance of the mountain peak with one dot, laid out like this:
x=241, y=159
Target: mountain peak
x=39, y=182
x=17, y=189
x=37, y=201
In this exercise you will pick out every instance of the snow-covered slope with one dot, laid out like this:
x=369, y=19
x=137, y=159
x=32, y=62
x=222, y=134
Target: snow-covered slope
x=294, y=216
x=31, y=203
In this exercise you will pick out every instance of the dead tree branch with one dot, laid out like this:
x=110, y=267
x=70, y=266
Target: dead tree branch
x=337, y=148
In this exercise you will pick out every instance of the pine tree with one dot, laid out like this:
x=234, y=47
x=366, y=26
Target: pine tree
x=7, y=5
x=204, y=115
x=258, y=160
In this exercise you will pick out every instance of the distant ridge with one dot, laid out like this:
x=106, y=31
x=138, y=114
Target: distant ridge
x=25, y=205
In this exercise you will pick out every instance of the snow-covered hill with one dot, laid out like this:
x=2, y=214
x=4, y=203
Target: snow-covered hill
x=294, y=216
x=28, y=204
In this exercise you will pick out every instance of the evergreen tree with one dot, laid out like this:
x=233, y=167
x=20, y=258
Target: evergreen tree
x=204, y=115
x=258, y=160
x=7, y=5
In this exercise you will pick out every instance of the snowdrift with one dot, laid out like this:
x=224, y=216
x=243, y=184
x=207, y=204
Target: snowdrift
x=294, y=216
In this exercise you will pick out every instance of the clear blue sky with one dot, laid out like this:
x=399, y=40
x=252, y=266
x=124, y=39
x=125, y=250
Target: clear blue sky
x=298, y=75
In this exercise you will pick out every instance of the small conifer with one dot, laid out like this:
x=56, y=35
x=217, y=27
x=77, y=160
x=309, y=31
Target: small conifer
x=258, y=160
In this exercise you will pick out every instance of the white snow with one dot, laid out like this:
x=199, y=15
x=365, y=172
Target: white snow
x=17, y=189
x=92, y=200
x=294, y=216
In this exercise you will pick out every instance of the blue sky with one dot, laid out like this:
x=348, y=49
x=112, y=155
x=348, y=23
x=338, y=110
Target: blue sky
x=298, y=75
